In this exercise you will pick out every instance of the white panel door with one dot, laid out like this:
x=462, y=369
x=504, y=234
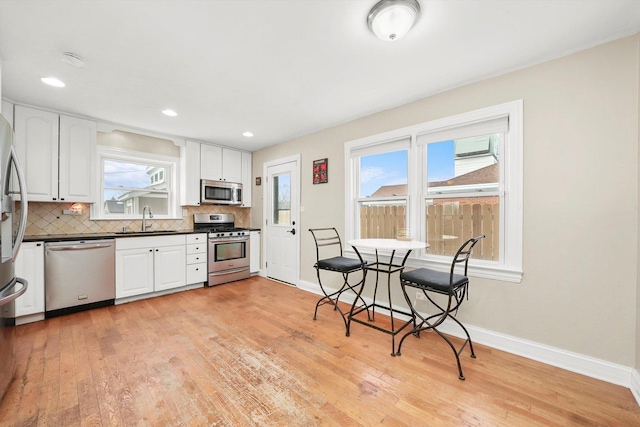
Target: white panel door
x=77, y=172
x=170, y=267
x=282, y=228
x=134, y=272
x=36, y=142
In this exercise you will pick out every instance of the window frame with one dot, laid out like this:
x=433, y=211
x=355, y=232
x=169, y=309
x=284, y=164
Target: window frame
x=170, y=164
x=509, y=267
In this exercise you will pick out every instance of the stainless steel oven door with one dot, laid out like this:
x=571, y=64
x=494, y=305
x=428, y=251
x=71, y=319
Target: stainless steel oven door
x=228, y=260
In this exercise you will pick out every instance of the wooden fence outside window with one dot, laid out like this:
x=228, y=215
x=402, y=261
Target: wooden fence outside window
x=449, y=224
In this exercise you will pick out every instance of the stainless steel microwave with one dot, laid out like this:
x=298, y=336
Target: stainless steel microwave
x=220, y=192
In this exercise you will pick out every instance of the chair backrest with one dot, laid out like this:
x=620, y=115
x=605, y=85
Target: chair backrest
x=327, y=239
x=464, y=253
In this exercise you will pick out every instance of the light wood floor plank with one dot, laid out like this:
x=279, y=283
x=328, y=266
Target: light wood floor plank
x=249, y=354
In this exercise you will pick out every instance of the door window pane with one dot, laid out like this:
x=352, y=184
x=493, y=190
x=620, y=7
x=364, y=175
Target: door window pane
x=282, y=199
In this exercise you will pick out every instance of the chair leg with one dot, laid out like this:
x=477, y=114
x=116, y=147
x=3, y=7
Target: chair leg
x=441, y=316
x=334, y=297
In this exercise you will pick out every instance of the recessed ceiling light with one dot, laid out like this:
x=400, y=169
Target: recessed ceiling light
x=52, y=81
x=169, y=113
x=247, y=134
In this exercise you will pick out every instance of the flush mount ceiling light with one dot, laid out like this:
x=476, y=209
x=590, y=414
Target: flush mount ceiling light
x=392, y=19
x=247, y=134
x=169, y=113
x=72, y=59
x=52, y=81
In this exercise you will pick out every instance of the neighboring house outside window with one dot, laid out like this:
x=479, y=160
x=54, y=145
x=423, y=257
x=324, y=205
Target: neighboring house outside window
x=130, y=180
x=463, y=179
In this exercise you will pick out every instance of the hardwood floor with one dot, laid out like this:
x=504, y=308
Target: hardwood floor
x=249, y=354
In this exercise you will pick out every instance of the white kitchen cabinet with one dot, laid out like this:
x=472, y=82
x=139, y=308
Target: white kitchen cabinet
x=190, y=171
x=210, y=162
x=57, y=155
x=197, y=258
x=220, y=164
x=36, y=143
x=134, y=272
x=77, y=165
x=149, y=264
x=231, y=165
x=30, y=266
x=247, y=181
x=169, y=267
x=254, y=251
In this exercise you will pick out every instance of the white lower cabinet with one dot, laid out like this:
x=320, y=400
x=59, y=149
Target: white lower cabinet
x=254, y=251
x=149, y=264
x=30, y=266
x=197, y=258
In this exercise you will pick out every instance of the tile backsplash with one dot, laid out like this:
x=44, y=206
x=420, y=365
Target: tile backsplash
x=48, y=218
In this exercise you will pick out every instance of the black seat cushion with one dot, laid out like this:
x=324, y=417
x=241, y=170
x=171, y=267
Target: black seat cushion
x=427, y=279
x=339, y=263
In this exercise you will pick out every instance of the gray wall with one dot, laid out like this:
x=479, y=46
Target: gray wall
x=579, y=290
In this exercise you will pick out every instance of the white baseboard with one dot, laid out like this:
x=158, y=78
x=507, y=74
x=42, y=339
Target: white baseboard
x=596, y=368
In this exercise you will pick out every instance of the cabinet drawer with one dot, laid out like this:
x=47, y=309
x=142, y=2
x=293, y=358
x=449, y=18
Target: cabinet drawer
x=196, y=258
x=196, y=238
x=197, y=248
x=197, y=273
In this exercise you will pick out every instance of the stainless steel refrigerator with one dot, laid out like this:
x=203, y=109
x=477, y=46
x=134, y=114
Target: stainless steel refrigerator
x=11, y=287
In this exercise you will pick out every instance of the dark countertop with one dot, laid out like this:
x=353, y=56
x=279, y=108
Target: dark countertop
x=99, y=236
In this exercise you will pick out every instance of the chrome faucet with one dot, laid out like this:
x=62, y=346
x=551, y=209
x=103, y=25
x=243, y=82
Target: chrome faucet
x=144, y=220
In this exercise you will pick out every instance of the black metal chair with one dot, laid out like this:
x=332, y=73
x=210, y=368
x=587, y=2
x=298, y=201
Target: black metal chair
x=455, y=286
x=329, y=257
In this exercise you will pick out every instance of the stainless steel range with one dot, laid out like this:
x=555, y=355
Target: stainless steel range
x=228, y=247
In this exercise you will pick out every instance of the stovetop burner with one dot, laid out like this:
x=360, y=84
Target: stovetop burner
x=218, y=226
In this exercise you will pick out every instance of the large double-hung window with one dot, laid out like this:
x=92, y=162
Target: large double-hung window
x=444, y=182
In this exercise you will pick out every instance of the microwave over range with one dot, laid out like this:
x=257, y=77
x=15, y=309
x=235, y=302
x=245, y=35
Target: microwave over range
x=220, y=192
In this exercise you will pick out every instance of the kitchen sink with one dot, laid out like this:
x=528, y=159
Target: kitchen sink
x=147, y=232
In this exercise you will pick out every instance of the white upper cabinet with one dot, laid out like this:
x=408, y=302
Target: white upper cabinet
x=210, y=162
x=36, y=142
x=57, y=155
x=77, y=172
x=220, y=164
x=246, y=179
x=190, y=171
x=231, y=165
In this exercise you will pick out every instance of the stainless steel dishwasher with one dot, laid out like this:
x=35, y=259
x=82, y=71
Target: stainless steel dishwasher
x=78, y=275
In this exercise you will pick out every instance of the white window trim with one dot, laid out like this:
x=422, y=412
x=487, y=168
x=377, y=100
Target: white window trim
x=171, y=164
x=511, y=149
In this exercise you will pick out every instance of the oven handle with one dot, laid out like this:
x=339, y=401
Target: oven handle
x=216, y=241
x=225, y=272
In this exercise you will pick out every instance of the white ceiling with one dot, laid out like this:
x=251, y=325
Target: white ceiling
x=279, y=68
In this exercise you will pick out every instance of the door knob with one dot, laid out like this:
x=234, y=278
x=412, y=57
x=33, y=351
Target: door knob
x=292, y=231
